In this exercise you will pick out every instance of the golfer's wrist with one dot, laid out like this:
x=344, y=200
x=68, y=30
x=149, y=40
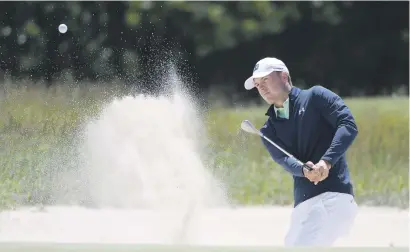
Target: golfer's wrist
x=328, y=164
x=304, y=171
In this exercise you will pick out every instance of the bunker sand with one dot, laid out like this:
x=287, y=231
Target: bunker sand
x=242, y=226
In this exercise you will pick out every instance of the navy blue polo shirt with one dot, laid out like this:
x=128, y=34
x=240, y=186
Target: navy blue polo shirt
x=320, y=127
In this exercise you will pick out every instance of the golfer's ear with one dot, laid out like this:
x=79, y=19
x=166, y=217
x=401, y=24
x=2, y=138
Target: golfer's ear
x=284, y=76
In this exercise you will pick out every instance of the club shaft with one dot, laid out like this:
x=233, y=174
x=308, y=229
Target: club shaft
x=248, y=127
x=285, y=152
x=274, y=144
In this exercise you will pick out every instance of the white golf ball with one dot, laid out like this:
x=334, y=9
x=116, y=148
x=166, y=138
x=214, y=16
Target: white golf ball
x=62, y=28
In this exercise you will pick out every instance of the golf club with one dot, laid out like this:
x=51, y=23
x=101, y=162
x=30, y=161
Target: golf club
x=247, y=126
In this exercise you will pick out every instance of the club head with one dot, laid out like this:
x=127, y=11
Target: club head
x=247, y=126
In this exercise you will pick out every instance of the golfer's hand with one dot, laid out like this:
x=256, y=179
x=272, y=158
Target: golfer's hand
x=313, y=175
x=323, y=168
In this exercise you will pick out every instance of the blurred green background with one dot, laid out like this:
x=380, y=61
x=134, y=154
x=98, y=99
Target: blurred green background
x=51, y=83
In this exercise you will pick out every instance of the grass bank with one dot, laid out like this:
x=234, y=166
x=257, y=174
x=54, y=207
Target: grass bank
x=35, y=123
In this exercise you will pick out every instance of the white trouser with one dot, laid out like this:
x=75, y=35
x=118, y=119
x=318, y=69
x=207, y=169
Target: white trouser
x=321, y=220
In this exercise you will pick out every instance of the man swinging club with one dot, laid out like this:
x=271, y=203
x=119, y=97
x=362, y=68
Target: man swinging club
x=316, y=127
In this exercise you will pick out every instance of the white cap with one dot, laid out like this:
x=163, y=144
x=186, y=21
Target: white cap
x=263, y=68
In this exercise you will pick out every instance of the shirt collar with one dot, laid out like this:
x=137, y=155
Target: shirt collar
x=285, y=110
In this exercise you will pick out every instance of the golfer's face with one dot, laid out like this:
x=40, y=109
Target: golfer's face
x=269, y=87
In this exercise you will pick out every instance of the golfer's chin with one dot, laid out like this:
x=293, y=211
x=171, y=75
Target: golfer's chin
x=271, y=97
x=268, y=99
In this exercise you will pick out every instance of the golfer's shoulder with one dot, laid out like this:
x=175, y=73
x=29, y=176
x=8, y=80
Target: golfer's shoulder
x=319, y=93
x=318, y=90
x=267, y=128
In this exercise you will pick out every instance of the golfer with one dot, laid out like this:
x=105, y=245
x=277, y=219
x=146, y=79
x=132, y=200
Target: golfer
x=316, y=127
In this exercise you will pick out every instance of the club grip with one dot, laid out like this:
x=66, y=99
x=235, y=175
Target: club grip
x=307, y=167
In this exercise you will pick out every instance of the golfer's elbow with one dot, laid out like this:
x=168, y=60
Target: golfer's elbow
x=351, y=127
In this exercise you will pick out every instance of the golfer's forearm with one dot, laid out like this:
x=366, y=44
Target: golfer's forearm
x=292, y=166
x=344, y=137
x=289, y=164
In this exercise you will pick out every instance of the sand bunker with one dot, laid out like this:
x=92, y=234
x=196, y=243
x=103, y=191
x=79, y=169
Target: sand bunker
x=251, y=226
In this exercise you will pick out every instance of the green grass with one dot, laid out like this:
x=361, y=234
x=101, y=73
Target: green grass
x=37, y=125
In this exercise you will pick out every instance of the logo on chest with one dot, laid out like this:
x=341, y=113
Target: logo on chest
x=301, y=111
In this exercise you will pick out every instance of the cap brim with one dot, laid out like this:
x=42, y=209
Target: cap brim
x=249, y=82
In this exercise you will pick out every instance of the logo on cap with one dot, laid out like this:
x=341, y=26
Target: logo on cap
x=256, y=67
